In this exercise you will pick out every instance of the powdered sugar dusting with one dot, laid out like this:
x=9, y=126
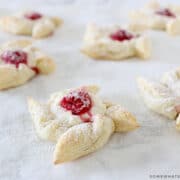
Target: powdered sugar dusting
x=17, y=57
x=77, y=101
x=14, y=57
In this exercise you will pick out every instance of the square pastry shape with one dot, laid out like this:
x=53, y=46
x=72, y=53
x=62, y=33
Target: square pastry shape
x=114, y=43
x=20, y=61
x=79, y=121
x=155, y=16
x=163, y=97
x=30, y=23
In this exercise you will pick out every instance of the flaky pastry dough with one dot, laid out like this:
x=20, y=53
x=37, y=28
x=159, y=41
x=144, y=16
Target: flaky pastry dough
x=154, y=16
x=77, y=135
x=163, y=97
x=20, y=62
x=98, y=44
x=30, y=23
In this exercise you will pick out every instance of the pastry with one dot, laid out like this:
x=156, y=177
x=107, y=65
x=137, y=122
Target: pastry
x=155, y=16
x=78, y=121
x=172, y=80
x=20, y=62
x=30, y=23
x=163, y=97
x=114, y=43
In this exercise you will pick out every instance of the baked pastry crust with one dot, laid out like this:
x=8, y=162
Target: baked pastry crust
x=98, y=44
x=172, y=80
x=75, y=138
x=163, y=97
x=12, y=76
x=38, y=28
x=153, y=17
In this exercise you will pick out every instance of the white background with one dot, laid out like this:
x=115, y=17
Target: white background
x=154, y=148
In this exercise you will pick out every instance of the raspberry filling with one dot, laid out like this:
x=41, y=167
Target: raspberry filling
x=121, y=35
x=16, y=58
x=78, y=102
x=35, y=69
x=165, y=12
x=33, y=15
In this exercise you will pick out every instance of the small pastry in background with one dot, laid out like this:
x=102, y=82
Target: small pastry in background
x=30, y=23
x=114, y=43
x=20, y=62
x=157, y=17
x=163, y=97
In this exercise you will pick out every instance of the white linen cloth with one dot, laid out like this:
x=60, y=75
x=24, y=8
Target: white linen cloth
x=152, y=149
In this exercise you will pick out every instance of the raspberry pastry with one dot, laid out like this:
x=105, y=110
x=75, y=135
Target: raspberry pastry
x=163, y=97
x=30, y=23
x=114, y=43
x=78, y=121
x=154, y=16
x=19, y=62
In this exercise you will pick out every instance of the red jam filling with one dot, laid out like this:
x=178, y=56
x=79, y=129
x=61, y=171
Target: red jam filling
x=121, y=35
x=35, y=69
x=177, y=108
x=165, y=12
x=33, y=15
x=16, y=58
x=78, y=102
